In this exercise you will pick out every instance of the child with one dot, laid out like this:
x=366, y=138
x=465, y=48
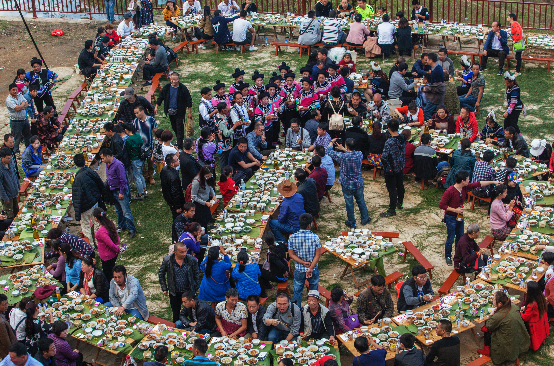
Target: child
x=157, y=154
x=347, y=61
x=167, y=147
x=206, y=147
x=20, y=81
x=226, y=184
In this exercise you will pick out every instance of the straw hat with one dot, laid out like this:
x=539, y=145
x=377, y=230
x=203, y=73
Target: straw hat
x=286, y=188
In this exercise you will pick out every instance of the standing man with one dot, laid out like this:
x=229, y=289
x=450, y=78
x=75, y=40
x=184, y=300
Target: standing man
x=304, y=250
x=171, y=185
x=126, y=110
x=291, y=209
x=155, y=65
x=393, y=163
x=517, y=39
x=178, y=273
x=126, y=294
x=9, y=184
x=351, y=179
x=86, y=195
x=496, y=45
x=45, y=80
x=243, y=32
x=110, y=4
x=452, y=202
x=177, y=101
x=17, y=109
x=146, y=126
x=117, y=182
x=189, y=166
x=446, y=63
x=9, y=142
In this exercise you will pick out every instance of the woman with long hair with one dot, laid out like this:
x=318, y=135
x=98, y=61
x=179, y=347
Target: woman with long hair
x=216, y=275
x=276, y=267
x=205, y=29
x=93, y=282
x=35, y=328
x=403, y=36
x=191, y=238
x=17, y=319
x=505, y=333
x=442, y=120
x=513, y=98
x=461, y=159
x=107, y=240
x=247, y=276
x=548, y=258
x=203, y=195
x=206, y=147
x=171, y=10
x=533, y=313
x=72, y=267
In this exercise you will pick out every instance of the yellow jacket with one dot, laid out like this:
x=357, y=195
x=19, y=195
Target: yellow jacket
x=168, y=14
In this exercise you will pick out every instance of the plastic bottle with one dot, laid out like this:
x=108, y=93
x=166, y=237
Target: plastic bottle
x=242, y=185
x=416, y=26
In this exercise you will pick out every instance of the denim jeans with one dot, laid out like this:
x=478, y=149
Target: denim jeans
x=169, y=23
x=276, y=335
x=133, y=312
x=428, y=110
x=21, y=130
x=136, y=169
x=349, y=195
x=123, y=211
x=468, y=102
x=299, y=280
x=279, y=230
x=454, y=230
x=109, y=9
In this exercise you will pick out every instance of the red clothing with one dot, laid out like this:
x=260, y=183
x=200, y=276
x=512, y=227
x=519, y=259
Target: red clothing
x=453, y=198
x=408, y=158
x=227, y=189
x=343, y=63
x=470, y=129
x=114, y=37
x=107, y=249
x=404, y=111
x=319, y=175
x=538, y=327
x=551, y=162
x=549, y=292
x=516, y=31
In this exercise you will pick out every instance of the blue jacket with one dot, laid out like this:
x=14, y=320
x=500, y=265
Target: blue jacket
x=247, y=281
x=213, y=288
x=503, y=41
x=420, y=69
x=73, y=274
x=135, y=296
x=31, y=108
x=29, y=158
x=221, y=31
x=291, y=209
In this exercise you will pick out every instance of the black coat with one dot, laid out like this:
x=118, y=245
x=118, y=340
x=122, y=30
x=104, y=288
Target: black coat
x=262, y=328
x=423, y=12
x=360, y=137
x=413, y=357
x=117, y=146
x=184, y=100
x=101, y=284
x=171, y=188
x=308, y=190
x=126, y=110
x=166, y=270
x=189, y=168
x=377, y=146
x=205, y=316
x=404, y=38
x=401, y=304
x=87, y=190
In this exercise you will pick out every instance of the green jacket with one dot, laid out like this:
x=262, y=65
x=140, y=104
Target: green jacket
x=133, y=145
x=509, y=337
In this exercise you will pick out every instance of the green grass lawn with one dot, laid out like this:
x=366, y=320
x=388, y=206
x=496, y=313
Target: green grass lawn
x=153, y=218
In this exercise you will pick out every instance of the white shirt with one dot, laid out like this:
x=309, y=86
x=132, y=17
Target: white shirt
x=496, y=45
x=240, y=27
x=226, y=9
x=194, y=9
x=203, y=110
x=385, y=32
x=11, y=103
x=166, y=150
x=254, y=325
x=124, y=30
x=16, y=317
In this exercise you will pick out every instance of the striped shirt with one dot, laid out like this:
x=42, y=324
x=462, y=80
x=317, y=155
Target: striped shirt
x=331, y=29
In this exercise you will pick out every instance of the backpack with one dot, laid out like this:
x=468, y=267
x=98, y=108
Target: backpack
x=336, y=121
x=145, y=152
x=188, y=191
x=171, y=55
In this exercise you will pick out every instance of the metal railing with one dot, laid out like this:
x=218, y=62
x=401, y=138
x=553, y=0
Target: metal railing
x=531, y=15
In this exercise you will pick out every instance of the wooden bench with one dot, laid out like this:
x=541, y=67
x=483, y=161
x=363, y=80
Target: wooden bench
x=488, y=242
x=323, y=292
x=523, y=58
x=389, y=280
x=23, y=189
x=194, y=45
x=375, y=168
x=155, y=320
x=472, y=54
x=232, y=44
x=410, y=247
x=473, y=197
x=283, y=287
x=450, y=281
x=180, y=47
x=384, y=234
x=479, y=361
x=63, y=117
x=74, y=97
x=278, y=46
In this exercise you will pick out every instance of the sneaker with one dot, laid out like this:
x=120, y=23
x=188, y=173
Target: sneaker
x=201, y=46
x=147, y=83
x=500, y=73
x=387, y=213
x=350, y=226
x=517, y=73
x=237, y=48
x=194, y=39
x=139, y=197
x=132, y=234
x=119, y=229
x=366, y=222
x=449, y=261
x=145, y=194
x=399, y=206
x=253, y=48
x=174, y=37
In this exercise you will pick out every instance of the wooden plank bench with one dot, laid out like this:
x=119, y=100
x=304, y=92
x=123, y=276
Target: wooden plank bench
x=323, y=292
x=194, y=45
x=410, y=247
x=472, y=54
x=389, y=280
x=479, y=361
x=450, y=281
x=488, y=242
x=155, y=320
x=384, y=234
x=473, y=197
x=182, y=45
x=523, y=58
x=23, y=189
x=232, y=44
x=278, y=46
x=375, y=169
x=63, y=117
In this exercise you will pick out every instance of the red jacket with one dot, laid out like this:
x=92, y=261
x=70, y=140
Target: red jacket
x=472, y=126
x=227, y=189
x=516, y=31
x=408, y=158
x=538, y=327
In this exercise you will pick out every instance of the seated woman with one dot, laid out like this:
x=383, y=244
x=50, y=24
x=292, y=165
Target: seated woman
x=35, y=328
x=231, y=316
x=492, y=130
x=540, y=151
x=411, y=114
x=110, y=32
x=340, y=310
x=276, y=267
x=206, y=147
x=500, y=214
x=358, y=32
x=442, y=120
x=461, y=159
x=31, y=159
x=65, y=356
x=335, y=105
x=513, y=194
x=215, y=283
x=376, y=145
x=93, y=282
x=347, y=60
x=171, y=11
x=505, y=334
x=247, y=276
x=192, y=238
x=533, y=313
x=379, y=83
x=57, y=269
x=548, y=258
x=403, y=37
x=72, y=268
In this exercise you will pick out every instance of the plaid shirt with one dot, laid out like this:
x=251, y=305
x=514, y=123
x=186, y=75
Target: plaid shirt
x=323, y=140
x=482, y=172
x=350, y=167
x=304, y=244
x=77, y=244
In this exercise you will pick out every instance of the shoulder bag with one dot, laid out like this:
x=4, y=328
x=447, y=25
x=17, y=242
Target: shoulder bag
x=351, y=320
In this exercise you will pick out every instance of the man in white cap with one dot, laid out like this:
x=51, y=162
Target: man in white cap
x=540, y=151
x=316, y=320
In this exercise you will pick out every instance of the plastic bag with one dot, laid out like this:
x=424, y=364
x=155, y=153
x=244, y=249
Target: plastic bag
x=57, y=32
x=336, y=54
